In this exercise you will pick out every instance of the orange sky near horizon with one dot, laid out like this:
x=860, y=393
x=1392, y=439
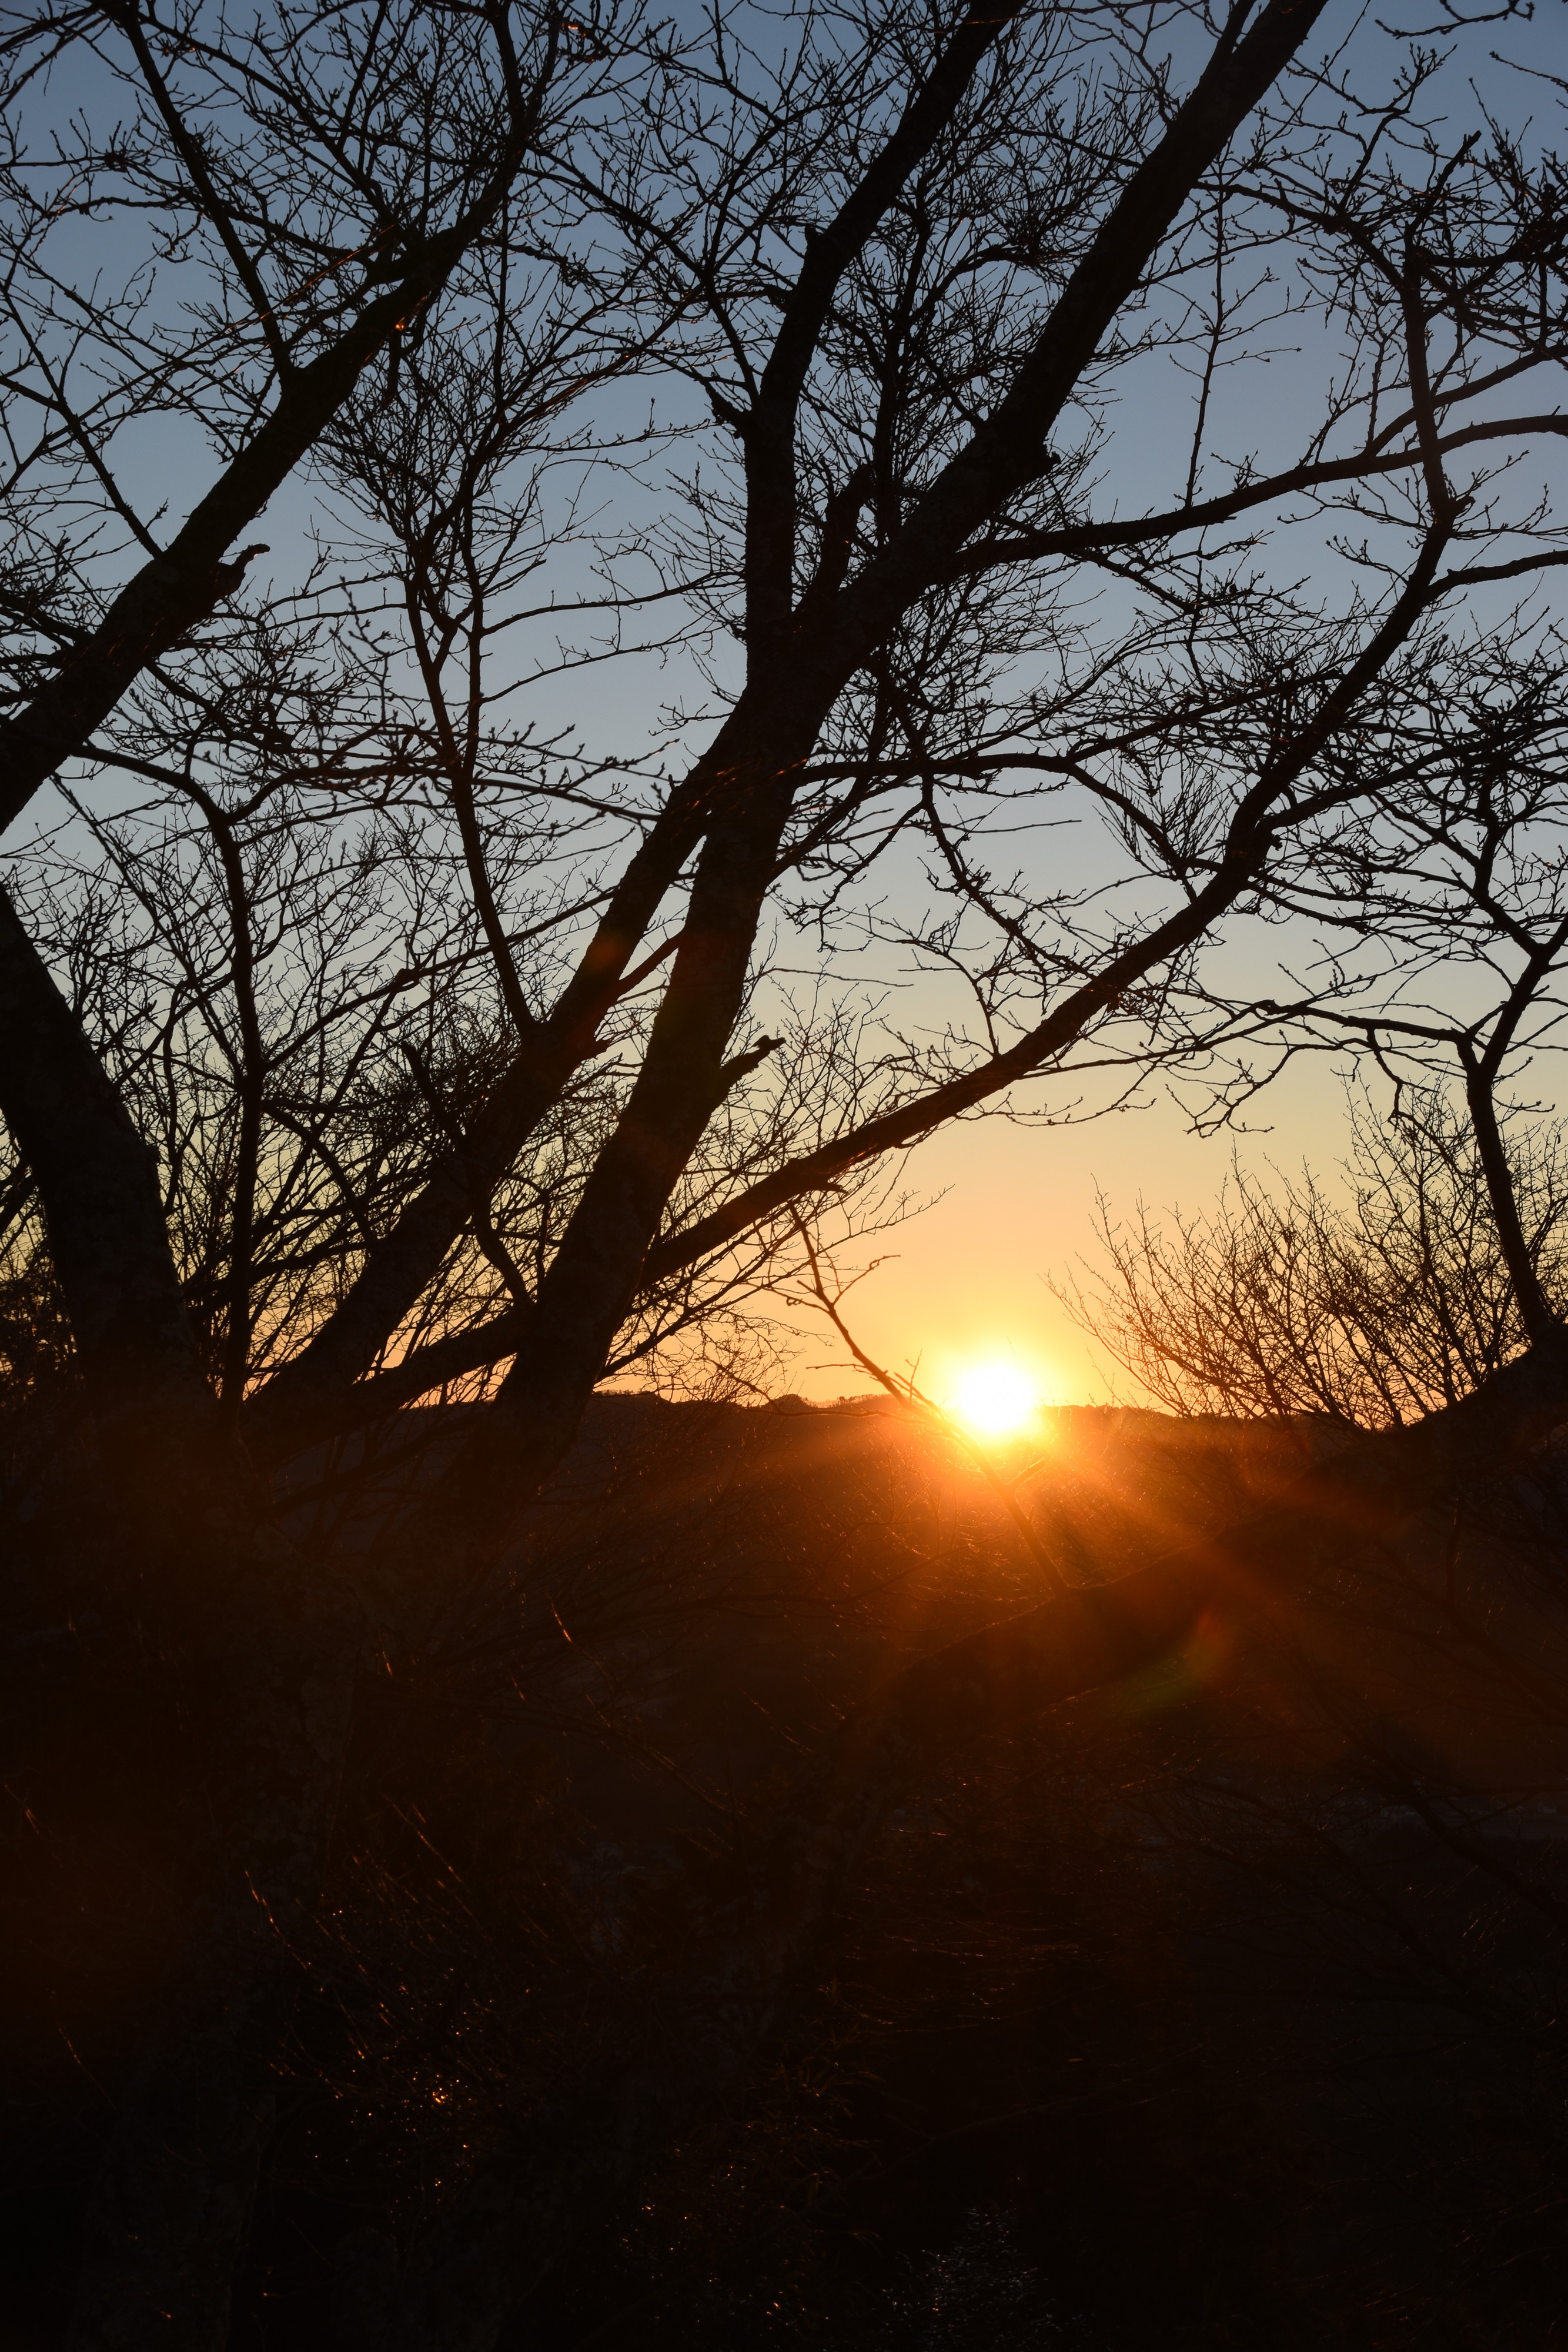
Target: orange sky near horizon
x=968, y=1280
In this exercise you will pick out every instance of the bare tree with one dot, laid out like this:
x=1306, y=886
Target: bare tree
x=1373, y=1309
x=907, y=265
x=1441, y=927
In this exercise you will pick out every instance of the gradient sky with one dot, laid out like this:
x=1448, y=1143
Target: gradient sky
x=969, y=1277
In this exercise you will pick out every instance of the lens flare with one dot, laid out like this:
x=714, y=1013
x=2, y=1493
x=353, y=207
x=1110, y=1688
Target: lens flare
x=993, y=1399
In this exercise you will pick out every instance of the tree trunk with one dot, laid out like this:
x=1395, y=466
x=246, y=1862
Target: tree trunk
x=234, y=1672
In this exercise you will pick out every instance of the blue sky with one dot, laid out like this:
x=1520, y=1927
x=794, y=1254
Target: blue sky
x=969, y=1274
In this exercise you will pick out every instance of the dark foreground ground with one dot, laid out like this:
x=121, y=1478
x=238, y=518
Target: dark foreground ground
x=1224, y=2008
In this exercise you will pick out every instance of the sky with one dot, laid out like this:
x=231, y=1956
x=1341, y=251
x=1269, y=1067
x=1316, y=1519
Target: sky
x=968, y=1280
x=1011, y=1206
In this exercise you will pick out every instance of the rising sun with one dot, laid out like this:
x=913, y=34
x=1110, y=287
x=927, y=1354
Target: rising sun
x=995, y=1399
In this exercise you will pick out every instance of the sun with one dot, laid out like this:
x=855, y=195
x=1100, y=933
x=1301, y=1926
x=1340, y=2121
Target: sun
x=995, y=1399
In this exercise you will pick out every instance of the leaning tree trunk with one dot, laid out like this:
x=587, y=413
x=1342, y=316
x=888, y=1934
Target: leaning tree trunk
x=222, y=1679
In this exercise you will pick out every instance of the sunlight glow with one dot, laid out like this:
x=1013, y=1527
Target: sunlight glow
x=995, y=1399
